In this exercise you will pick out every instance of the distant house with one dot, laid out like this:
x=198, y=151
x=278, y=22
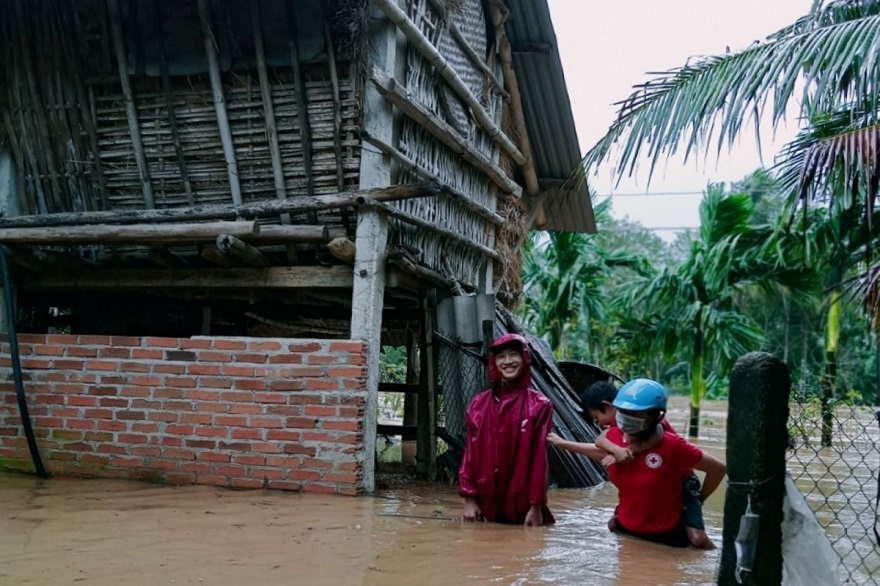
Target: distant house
x=218, y=212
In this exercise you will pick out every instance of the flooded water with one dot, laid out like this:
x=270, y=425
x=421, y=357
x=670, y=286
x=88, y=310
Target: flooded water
x=65, y=531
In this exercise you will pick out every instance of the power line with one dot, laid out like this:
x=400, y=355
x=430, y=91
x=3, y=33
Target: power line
x=653, y=193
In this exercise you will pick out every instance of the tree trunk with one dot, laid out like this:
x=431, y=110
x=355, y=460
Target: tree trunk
x=694, y=423
x=698, y=383
x=832, y=336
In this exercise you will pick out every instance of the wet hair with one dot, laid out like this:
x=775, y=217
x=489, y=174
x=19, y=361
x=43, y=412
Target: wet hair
x=596, y=394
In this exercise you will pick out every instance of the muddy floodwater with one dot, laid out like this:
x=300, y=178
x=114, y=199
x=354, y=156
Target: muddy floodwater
x=69, y=531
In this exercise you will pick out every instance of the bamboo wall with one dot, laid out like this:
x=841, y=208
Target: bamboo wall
x=64, y=117
x=430, y=154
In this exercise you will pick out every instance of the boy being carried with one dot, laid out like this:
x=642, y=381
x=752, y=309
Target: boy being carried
x=634, y=449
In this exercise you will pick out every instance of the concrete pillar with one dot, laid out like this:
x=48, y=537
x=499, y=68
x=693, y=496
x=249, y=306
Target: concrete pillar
x=757, y=437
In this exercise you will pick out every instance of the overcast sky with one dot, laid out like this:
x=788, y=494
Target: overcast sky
x=606, y=48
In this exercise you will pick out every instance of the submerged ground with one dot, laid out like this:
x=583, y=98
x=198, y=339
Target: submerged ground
x=66, y=531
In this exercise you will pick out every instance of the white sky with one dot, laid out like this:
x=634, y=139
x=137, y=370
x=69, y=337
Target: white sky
x=607, y=46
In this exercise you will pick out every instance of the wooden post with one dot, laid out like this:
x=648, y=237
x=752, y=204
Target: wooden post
x=757, y=436
x=426, y=448
x=410, y=400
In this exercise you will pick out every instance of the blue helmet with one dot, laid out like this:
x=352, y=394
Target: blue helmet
x=641, y=394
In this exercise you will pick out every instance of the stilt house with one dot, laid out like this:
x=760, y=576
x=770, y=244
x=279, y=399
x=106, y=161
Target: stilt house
x=216, y=213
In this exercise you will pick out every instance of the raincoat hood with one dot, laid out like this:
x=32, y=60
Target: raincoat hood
x=525, y=378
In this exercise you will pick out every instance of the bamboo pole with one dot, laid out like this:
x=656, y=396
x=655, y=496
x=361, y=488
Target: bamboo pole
x=422, y=44
x=127, y=233
x=303, y=234
x=337, y=116
x=397, y=95
x=476, y=60
x=258, y=209
x=130, y=108
x=268, y=107
x=302, y=102
x=343, y=249
x=169, y=105
x=251, y=255
x=215, y=256
x=425, y=225
x=220, y=102
x=448, y=190
x=519, y=121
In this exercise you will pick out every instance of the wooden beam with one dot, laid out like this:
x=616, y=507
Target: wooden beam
x=400, y=97
x=448, y=190
x=295, y=233
x=258, y=209
x=220, y=102
x=426, y=225
x=128, y=233
x=519, y=120
x=212, y=278
x=422, y=44
x=343, y=249
x=302, y=99
x=250, y=255
x=130, y=109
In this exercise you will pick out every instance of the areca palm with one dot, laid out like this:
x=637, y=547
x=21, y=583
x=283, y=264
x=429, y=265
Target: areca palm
x=693, y=307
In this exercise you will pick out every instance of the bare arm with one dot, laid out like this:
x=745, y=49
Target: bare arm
x=618, y=453
x=715, y=471
x=588, y=450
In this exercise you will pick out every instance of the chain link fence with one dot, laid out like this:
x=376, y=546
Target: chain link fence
x=461, y=374
x=840, y=481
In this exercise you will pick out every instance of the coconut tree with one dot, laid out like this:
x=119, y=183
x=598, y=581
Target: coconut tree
x=692, y=308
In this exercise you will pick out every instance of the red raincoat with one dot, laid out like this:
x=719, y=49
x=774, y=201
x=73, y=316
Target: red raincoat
x=505, y=456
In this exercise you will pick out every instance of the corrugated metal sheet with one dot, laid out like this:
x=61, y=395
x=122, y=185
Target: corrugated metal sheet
x=548, y=114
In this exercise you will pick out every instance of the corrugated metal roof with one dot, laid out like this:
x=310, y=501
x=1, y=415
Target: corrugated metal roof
x=547, y=110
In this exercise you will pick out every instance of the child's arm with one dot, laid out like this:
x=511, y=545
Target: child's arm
x=619, y=453
x=588, y=450
x=715, y=471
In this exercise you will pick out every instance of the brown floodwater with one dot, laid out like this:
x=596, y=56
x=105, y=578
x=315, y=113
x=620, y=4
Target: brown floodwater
x=66, y=531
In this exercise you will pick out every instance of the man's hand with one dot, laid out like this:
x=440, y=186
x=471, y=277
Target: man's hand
x=472, y=510
x=534, y=518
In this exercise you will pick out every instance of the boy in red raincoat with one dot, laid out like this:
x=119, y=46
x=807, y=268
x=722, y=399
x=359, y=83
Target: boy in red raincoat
x=503, y=475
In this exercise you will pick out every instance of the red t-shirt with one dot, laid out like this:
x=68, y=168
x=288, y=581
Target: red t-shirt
x=649, y=486
x=668, y=427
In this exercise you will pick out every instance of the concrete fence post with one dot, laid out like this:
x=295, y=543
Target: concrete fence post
x=757, y=437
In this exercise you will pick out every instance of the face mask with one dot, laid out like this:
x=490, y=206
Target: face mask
x=629, y=424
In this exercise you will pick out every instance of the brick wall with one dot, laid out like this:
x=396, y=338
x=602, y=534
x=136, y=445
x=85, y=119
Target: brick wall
x=238, y=412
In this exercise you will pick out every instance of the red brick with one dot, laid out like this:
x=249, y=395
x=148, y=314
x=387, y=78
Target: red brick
x=127, y=462
x=265, y=448
x=348, y=371
x=244, y=408
x=47, y=421
x=145, y=381
x=171, y=442
x=236, y=370
x=145, y=451
x=292, y=462
x=102, y=365
x=237, y=396
x=320, y=411
x=321, y=384
x=99, y=413
x=81, y=424
x=201, y=418
x=98, y=436
x=126, y=415
x=320, y=488
x=267, y=474
x=212, y=369
x=124, y=341
x=246, y=483
x=68, y=364
x=301, y=422
x=207, y=356
x=179, y=429
x=169, y=368
x=133, y=438
x=213, y=457
x=342, y=478
x=267, y=422
x=180, y=478
x=196, y=468
x=282, y=435
x=209, y=407
x=353, y=347
x=234, y=471
x=188, y=382
x=317, y=464
x=163, y=393
x=199, y=395
x=35, y=364
x=213, y=480
x=303, y=475
x=94, y=340
x=95, y=459
x=350, y=412
x=264, y=346
x=249, y=434
x=67, y=435
x=114, y=353
x=45, y=350
x=215, y=382
x=230, y=421
x=224, y=344
x=212, y=432
x=284, y=485
x=146, y=354
x=342, y=425
x=304, y=399
x=81, y=351
x=146, y=404
x=104, y=391
x=270, y=398
x=82, y=401
x=286, y=359
x=248, y=460
x=354, y=384
x=250, y=357
x=286, y=385
x=301, y=347
x=111, y=449
x=324, y=359
x=109, y=402
x=135, y=392
x=134, y=367
x=285, y=410
x=161, y=464
x=234, y=446
x=112, y=425
x=196, y=343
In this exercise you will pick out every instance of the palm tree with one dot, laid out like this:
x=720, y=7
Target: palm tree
x=692, y=308
x=564, y=277
x=827, y=62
